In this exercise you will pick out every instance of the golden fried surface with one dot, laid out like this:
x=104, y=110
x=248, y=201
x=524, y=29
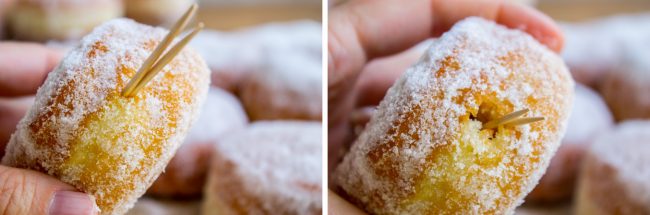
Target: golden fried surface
x=425, y=150
x=84, y=132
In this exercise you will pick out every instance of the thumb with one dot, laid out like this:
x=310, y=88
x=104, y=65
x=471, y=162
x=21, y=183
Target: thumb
x=30, y=192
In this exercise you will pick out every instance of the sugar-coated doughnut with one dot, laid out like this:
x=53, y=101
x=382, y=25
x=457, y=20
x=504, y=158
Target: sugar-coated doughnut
x=626, y=90
x=595, y=48
x=288, y=88
x=425, y=150
x=271, y=167
x=615, y=172
x=42, y=20
x=82, y=131
x=156, y=12
x=233, y=55
x=589, y=117
x=185, y=174
x=230, y=56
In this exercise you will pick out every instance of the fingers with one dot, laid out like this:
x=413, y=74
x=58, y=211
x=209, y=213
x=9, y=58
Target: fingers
x=31, y=192
x=24, y=66
x=362, y=30
x=338, y=206
x=380, y=74
x=11, y=111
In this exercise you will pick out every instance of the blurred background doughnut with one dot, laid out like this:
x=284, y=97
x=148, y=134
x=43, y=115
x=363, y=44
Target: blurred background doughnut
x=156, y=12
x=614, y=178
x=627, y=90
x=289, y=87
x=42, y=20
x=267, y=168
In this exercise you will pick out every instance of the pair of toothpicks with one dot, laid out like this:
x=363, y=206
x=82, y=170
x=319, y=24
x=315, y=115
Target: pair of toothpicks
x=512, y=119
x=157, y=60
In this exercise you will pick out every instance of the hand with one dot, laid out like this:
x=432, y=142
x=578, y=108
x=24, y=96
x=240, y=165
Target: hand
x=360, y=31
x=23, y=68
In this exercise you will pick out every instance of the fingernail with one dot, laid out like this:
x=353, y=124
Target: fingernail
x=72, y=203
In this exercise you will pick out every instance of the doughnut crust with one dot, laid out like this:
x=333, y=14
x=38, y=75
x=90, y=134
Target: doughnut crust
x=424, y=150
x=589, y=117
x=615, y=172
x=185, y=174
x=82, y=131
x=271, y=167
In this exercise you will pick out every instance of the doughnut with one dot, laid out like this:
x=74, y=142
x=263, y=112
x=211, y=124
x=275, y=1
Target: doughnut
x=41, y=20
x=288, y=88
x=589, y=117
x=626, y=90
x=84, y=132
x=271, y=167
x=615, y=172
x=232, y=56
x=156, y=12
x=426, y=150
x=595, y=48
x=185, y=174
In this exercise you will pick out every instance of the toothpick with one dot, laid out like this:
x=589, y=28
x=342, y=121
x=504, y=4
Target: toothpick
x=508, y=117
x=512, y=119
x=169, y=56
x=525, y=120
x=155, y=57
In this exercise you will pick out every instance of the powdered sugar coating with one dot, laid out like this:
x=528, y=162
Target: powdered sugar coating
x=589, y=117
x=81, y=130
x=595, y=48
x=289, y=87
x=185, y=174
x=616, y=172
x=272, y=167
x=626, y=89
x=476, y=65
x=233, y=55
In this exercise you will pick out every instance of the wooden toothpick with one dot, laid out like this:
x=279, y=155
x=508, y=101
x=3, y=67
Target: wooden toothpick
x=156, y=61
x=512, y=119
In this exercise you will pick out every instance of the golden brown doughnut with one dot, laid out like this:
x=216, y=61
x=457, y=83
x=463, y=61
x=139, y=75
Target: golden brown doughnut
x=185, y=174
x=425, y=150
x=589, y=117
x=84, y=132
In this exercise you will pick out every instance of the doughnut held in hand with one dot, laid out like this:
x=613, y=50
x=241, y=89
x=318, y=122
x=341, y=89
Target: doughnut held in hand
x=433, y=146
x=84, y=132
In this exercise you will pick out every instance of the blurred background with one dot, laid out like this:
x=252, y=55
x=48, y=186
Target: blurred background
x=265, y=58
